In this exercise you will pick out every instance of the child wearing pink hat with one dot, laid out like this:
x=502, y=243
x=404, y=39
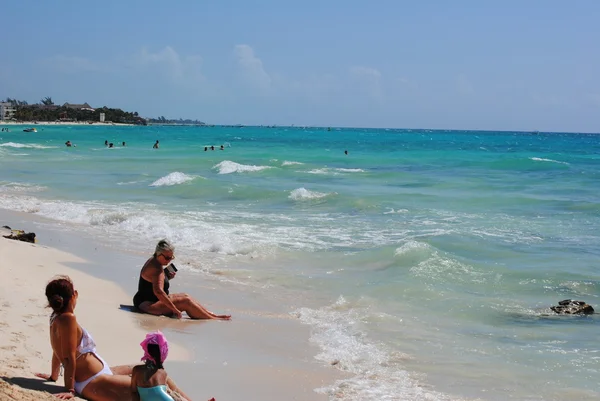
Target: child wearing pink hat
x=149, y=381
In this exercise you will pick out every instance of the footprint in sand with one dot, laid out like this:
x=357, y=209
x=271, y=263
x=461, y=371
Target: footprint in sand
x=16, y=364
x=17, y=337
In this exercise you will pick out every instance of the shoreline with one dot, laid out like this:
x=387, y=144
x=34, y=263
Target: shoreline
x=268, y=126
x=34, y=123
x=24, y=343
x=263, y=351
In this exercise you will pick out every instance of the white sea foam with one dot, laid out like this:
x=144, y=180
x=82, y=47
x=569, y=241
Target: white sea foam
x=128, y=182
x=411, y=246
x=26, y=145
x=399, y=211
x=299, y=194
x=323, y=171
x=539, y=159
x=172, y=179
x=335, y=171
x=376, y=374
x=57, y=210
x=20, y=187
x=350, y=170
x=290, y=163
x=228, y=167
x=237, y=232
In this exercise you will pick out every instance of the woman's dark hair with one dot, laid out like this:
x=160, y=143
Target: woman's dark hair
x=154, y=351
x=59, y=293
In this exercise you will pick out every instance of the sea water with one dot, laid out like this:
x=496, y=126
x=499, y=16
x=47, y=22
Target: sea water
x=424, y=261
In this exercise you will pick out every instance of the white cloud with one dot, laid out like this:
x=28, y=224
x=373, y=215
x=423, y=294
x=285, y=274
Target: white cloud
x=166, y=56
x=184, y=69
x=166, y=62
x=251, y=67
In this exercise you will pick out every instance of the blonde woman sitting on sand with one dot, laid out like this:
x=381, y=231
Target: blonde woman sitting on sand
x=149, y=381
x=85, y=372
x=153, y=289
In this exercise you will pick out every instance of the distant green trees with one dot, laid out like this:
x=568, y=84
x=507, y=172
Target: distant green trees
x=163, y=120
x=49, y=112
x=16, y=102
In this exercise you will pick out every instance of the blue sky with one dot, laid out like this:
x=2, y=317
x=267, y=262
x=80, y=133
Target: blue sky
x=505, y=65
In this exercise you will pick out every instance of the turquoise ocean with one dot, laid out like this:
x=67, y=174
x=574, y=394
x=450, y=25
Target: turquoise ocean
x=423, y=261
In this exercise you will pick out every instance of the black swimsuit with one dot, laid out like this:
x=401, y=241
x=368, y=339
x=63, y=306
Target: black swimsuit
x=145, y=292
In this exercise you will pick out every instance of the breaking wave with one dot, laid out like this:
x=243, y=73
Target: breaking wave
x=539, y=159
x=26, y=145
x=290, y=163
x=172, y=179
x=304, y=194
x=228, y=167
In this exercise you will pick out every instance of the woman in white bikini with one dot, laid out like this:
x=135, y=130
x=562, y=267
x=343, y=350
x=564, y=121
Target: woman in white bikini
x=85, y=372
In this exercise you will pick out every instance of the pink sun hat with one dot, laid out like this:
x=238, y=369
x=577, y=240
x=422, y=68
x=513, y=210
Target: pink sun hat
x=159, y=339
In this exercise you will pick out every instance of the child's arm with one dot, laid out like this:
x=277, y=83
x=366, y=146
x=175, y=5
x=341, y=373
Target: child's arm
x=172, y=386
x=135, y=396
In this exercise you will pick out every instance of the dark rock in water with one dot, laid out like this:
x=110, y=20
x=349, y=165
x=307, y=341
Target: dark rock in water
x=570, y=307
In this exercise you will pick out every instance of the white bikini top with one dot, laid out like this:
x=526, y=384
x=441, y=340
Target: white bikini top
x=86, y=345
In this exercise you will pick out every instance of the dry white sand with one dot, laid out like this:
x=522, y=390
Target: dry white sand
x=24, y=340
x=262, y=354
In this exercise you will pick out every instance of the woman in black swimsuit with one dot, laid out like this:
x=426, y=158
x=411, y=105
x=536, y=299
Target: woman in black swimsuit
x=153, y=289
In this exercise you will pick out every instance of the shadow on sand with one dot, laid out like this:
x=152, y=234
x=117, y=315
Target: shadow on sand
x=34, y=384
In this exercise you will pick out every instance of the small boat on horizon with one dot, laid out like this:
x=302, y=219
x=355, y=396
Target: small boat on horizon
x=30, y=130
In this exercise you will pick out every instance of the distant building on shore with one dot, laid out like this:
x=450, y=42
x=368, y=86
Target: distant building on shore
x=75, y=106
x=102, y=117
x=7, y=111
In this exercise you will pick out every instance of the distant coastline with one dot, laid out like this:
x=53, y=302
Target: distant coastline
x=46, y=112
x=32, y=123
x=176, y=122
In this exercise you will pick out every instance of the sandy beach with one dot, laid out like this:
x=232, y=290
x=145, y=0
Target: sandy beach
x=259, y=355
x=24, y=342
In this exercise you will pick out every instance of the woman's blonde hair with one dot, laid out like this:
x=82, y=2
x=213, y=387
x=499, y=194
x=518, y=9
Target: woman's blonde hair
x=163, y=245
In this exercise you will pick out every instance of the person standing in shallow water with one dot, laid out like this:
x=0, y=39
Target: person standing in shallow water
x=155, y=145
x=153, y=295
